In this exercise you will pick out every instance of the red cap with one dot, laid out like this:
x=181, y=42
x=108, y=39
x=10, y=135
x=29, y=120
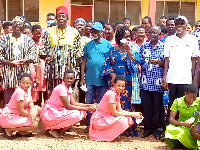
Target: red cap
x=61, y=10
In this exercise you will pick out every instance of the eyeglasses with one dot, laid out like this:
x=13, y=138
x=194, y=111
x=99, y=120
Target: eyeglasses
x=180, y=23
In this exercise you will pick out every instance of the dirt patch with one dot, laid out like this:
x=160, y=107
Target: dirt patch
x=78, y=140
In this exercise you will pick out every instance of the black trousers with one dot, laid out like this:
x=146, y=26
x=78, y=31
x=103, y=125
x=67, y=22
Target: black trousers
x=153, y=111
x=175, y=91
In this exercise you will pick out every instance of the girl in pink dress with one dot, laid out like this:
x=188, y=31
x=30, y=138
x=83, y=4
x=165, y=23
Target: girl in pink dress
x=110, y=120
x=61, y=111
x=20, y=114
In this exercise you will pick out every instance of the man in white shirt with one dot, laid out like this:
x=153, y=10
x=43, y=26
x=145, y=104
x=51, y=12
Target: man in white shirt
x=181, y=52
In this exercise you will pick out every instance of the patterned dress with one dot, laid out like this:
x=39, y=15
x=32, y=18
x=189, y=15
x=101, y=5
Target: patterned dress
x=12, y=48
x=120, y=64
x=135, y=49
x=65, y=46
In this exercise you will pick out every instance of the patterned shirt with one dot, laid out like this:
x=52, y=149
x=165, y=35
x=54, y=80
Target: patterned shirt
x=12, y=48
x=65, y=46
x=197, y=34
x=151, y=74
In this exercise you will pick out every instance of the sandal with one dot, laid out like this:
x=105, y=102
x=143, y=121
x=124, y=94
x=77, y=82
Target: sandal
x=61, y=132
x=12, y=137
x=54, y=134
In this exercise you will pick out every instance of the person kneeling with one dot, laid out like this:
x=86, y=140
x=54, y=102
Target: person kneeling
x=61, y=111
x=178, y=131
x=20, y=114
x=110, y=120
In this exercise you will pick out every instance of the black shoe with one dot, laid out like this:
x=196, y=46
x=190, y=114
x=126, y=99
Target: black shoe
x=162, y=138
x=25, y=135
x=157, y=137
x=145, y=134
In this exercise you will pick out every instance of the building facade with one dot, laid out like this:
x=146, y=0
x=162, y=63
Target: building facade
x=109, y=10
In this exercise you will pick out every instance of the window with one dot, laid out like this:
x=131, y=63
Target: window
x=116, y=10
x=28, y=8
x=133, y=11
x=100, y=5
x=175, y=8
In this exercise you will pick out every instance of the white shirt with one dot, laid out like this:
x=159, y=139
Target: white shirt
x=180, y=52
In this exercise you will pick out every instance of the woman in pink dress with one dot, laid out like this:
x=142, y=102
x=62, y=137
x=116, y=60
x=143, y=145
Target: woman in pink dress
x=20, y=114
x=110, y=120
x=61, y=111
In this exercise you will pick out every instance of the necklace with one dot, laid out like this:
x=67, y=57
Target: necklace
x=61, y=37
x=64, y=33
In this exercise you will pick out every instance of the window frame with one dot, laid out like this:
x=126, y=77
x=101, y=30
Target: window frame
x=23, y=12
x=125, y=10
x=180, y=3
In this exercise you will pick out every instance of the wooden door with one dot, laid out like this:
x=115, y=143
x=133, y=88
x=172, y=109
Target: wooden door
x=84, y=12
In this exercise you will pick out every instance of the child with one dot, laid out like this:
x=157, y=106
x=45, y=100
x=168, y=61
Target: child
x=37, y=70
x=110, y=120
x=27, y=31
x=20, y=114
x=7, y=27
x=179, y=130
x=61, y=111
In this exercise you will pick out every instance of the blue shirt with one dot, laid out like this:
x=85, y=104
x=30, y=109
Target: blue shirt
x=151, y=74
x=197, y=34
x=95, y=54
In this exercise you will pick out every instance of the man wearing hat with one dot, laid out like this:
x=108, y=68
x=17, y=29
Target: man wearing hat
x=16, y=52
x=181, y=52
x=93, y=59
x=62, y=48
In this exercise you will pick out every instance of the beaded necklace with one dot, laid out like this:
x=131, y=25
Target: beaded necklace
x=61, y=37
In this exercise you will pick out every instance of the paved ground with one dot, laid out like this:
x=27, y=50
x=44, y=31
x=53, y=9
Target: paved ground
x=78, y=140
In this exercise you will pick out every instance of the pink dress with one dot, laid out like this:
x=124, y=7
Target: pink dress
x=104, y=126
x=55, y=115
x=9, y=116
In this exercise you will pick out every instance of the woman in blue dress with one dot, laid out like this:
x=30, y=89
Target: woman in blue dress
x=120, y=61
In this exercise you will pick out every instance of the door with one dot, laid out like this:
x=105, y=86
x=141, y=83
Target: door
x=84, y=12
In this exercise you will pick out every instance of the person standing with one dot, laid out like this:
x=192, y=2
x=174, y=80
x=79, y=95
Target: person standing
x=62, y=47
x=181, y=52
x=152, y=62
x=51, y=18
x=16, y=52
x=93, y=59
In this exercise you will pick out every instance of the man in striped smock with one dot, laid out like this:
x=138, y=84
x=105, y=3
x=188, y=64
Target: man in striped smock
x=62, y=46
x=16, y=52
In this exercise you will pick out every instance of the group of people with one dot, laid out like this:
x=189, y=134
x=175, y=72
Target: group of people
x=119, y=69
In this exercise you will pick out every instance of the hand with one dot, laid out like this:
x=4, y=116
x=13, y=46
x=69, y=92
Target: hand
x=154, y=61
x=82, y=82
x=164, y=84
x=15, y=63
x=137, y=115
x=188, y=123
x=91, y=109
x=198, y=116
x=37, y=80
x=49, y=59
x=127, y=46
x=112, y=75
